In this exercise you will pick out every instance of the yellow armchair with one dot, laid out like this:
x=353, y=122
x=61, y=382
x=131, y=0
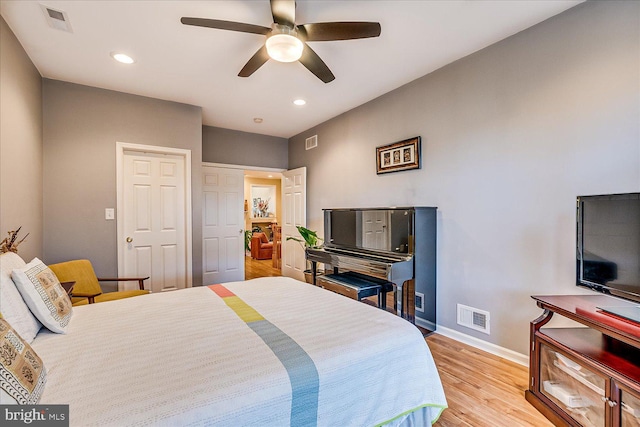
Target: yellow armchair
x=86, y=289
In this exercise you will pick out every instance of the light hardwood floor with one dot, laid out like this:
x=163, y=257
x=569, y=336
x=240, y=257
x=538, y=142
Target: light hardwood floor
x=481, y=389
x=259, y=268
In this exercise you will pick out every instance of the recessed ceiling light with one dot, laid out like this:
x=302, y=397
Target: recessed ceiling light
x=299, y=102
x=257, y=119
x=121, y=57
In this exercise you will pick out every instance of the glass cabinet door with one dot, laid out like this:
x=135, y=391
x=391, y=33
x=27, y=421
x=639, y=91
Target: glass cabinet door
x=629, y=409
x=573, y=387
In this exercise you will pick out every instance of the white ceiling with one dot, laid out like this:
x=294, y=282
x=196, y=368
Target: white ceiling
x=199, y=66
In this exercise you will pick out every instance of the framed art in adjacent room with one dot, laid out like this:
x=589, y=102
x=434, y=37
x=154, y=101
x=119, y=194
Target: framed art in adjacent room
x=399, y=156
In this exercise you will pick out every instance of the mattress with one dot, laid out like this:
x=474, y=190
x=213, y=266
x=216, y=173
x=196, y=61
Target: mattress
x=264, y=352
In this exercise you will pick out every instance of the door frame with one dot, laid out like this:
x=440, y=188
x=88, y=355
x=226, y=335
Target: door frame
x=244, y=168
x=121, y=147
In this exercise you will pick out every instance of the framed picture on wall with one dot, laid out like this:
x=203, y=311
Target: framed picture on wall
x=263, y=200
x=399, y=156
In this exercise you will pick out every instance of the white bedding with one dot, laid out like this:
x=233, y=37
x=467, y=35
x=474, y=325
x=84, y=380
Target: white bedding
x=187, y=358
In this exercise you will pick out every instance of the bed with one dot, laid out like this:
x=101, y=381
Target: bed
x=264, y=352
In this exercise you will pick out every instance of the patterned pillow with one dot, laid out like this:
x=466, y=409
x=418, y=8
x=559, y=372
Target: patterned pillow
x=12, y=306
x=44, y=295
x=22, y=373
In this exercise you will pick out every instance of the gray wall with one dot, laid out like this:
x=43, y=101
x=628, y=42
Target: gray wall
x=81, y=127
x=243, y=148
x=20, y=145
x=511, y=135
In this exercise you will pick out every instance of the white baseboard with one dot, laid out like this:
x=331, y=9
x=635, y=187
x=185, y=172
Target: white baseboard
x=505, y=353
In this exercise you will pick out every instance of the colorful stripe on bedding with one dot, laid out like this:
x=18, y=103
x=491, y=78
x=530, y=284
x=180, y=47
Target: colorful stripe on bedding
x=302, y=372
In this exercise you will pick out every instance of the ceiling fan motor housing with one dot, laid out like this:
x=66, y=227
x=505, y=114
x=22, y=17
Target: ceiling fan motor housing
x=283, y=44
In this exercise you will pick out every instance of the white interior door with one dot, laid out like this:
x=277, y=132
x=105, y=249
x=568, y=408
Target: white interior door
x=222, y=224
x=294, y=213
x=153, y=220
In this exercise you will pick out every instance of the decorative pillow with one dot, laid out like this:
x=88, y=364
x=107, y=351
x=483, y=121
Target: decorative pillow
x=22, y=373
x=12, y=306
x=44, y=295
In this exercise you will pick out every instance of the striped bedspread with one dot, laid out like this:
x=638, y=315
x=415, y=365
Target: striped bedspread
x=264, y=352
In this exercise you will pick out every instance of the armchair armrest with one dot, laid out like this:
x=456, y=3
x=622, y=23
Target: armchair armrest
x=140, y=280
x=90, y=297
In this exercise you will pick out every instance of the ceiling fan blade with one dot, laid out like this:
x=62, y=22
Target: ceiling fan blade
x=312, y=61
x=327, y=31
x=226, y=25
x=256, y=61
x=284, y=12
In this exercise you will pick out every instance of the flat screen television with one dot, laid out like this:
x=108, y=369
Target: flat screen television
x=608, y=246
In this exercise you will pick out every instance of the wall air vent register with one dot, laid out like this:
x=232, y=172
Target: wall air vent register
x=473, y=318
x=311, y=142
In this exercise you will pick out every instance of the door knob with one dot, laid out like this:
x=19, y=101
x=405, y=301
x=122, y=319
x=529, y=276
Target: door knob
x=129, y=240
x=241, y=231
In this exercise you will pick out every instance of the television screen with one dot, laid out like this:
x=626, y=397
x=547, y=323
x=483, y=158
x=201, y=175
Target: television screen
x=608, y=244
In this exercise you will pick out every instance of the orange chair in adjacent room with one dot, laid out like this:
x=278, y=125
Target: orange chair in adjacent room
x=261, y=247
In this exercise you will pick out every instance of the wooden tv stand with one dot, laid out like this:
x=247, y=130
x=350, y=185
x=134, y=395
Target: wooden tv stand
x=585, y=376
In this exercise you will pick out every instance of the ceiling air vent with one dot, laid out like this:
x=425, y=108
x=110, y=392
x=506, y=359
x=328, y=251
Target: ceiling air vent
x=57, y=19
x=473, y=318
x=311, y=142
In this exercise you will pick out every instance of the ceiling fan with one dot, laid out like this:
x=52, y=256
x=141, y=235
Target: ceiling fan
x=286, y=41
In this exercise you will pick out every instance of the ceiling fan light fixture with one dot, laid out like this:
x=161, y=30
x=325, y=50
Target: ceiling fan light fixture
x=284, y=47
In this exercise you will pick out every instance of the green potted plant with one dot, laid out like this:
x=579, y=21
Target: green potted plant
x=309, y=239
x=247, y=240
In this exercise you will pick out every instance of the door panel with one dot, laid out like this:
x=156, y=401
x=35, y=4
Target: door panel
x=223, y=226
x=211, y=255
x=294, y=213
x=154, y=218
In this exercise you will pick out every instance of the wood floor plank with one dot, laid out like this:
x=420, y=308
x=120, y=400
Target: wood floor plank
x=482, y=389
x=254, y=268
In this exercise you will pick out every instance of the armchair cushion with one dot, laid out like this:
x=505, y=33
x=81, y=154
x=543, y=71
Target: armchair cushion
x=44, y=295
x=109, y=296
x=81, y=272
x=22, y=373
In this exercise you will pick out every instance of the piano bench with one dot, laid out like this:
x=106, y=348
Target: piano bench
x=356, y=286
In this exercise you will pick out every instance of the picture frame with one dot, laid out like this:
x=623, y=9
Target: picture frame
x=399, y=156
x=263, y=201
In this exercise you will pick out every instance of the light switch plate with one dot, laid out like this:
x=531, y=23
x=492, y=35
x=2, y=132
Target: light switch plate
x=109, y=213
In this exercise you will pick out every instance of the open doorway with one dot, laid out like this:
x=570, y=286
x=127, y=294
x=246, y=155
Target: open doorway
x=263, y=220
